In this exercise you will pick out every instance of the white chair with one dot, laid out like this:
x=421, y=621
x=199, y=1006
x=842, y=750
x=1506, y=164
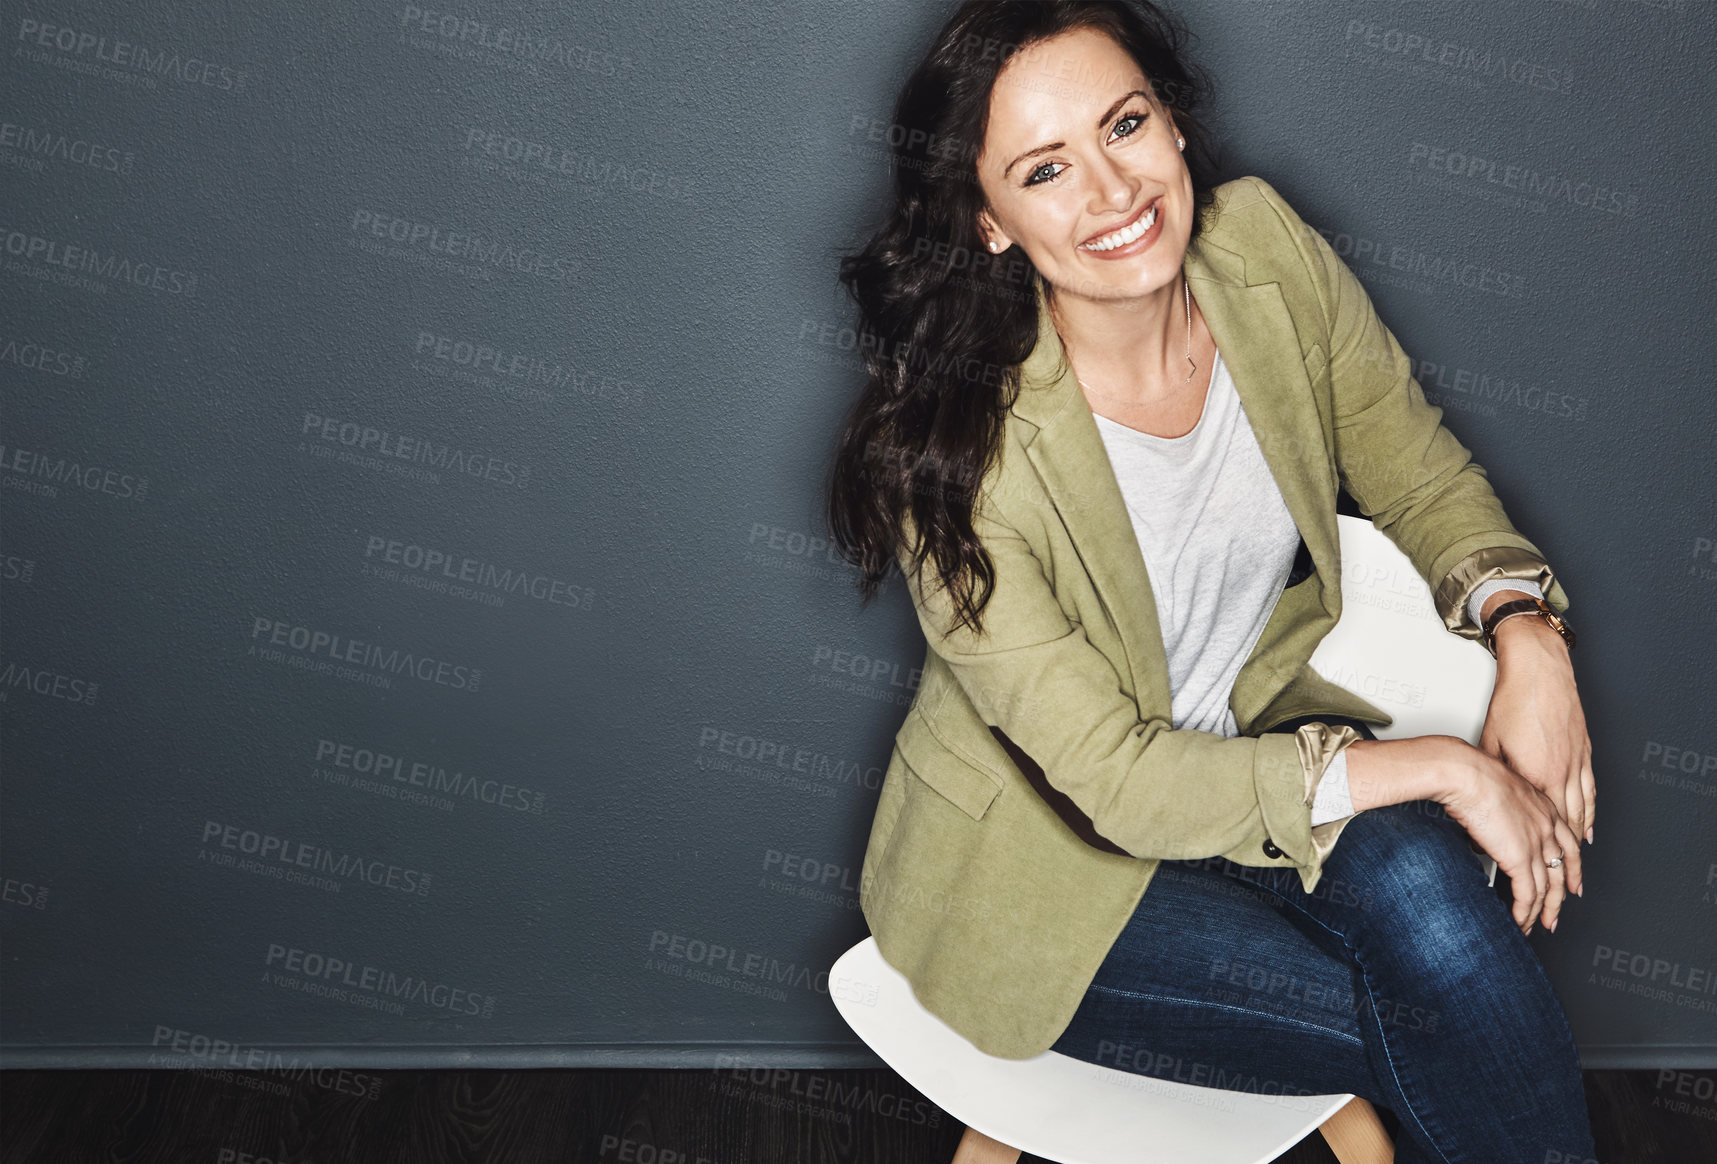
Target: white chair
x=1390, y=648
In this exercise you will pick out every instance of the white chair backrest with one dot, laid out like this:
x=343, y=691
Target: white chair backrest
x=1390, y=647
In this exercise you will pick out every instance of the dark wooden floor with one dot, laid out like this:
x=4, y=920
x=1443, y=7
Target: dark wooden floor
x=613, y=1117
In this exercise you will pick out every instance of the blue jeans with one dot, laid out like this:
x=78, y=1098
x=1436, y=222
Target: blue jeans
x=1401, y=978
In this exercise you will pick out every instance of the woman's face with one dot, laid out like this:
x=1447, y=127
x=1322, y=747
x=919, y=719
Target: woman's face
x=1078, y=156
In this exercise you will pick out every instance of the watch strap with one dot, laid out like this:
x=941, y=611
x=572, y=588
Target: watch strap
x=1533, y=606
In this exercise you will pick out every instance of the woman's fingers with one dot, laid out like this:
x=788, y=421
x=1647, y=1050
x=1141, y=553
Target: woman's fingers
x=1573, y=860
x=1574, y=790
x=1556, y=894
x=1522, y=884
x=1537, y=886
x=1565, y=875
x=1589, y=788
x=1525, y=900
x=1522, y=828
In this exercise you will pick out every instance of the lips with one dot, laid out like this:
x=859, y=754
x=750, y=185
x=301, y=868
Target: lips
x=1143, y=211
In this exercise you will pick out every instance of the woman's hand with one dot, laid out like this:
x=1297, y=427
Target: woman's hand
x=1521, y=829
x=1535, y=724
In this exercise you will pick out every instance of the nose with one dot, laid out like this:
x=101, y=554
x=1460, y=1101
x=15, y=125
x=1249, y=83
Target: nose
x=1112, y=188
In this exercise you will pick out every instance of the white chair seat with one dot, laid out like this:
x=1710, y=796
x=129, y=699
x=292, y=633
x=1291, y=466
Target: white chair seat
x=1390, y=648
x=1053, y=1105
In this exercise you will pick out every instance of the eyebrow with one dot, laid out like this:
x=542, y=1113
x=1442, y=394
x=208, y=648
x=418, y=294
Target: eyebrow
x=1059, y=145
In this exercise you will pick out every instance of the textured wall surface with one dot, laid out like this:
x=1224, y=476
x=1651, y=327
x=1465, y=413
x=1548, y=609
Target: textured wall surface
x=419, y=648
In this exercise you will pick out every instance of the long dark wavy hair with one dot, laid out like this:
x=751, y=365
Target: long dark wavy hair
x=944, y=324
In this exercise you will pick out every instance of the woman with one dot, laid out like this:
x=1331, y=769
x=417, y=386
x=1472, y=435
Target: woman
x=1110, y=404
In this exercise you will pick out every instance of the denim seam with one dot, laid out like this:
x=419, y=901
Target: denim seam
x=1343, y=1035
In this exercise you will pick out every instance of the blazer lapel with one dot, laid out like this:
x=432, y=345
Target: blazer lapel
x=1255, y=333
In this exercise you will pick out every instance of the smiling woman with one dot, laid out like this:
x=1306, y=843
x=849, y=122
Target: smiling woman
x=1120, y=543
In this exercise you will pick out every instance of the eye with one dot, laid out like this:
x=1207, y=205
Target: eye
x=1133, y=121
x=1126, y=127
x=1034, y=178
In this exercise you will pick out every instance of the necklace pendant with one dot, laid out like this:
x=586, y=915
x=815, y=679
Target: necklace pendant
x=1189, y=375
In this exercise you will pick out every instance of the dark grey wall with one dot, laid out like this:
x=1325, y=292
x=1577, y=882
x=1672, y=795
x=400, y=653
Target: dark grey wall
x=442, y=523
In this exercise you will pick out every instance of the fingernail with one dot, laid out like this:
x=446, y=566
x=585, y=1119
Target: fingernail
x=1552, y=926
x=1589, y=834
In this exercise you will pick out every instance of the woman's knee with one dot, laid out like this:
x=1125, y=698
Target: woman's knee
x=1421, y=884
x=1411, y=845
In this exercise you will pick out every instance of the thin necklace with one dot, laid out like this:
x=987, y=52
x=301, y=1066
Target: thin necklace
x=1187, y=295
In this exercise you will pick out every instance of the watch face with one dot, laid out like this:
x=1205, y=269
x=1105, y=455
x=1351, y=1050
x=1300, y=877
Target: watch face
x=1558, y=622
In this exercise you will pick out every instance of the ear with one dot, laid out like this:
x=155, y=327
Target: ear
x=995, y=238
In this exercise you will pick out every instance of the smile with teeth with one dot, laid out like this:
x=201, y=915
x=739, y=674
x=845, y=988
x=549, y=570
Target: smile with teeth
x=1123, y=236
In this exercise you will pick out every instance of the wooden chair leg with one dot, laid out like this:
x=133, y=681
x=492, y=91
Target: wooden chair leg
x=1356, y=1135
x=977, y=1148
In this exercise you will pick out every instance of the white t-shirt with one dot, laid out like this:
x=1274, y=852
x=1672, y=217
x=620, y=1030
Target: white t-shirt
x=1218, y=542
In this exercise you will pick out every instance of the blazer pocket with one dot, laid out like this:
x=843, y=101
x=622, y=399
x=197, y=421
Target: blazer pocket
x=970, y=787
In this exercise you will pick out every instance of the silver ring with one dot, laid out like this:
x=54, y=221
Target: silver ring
x=1555, y=863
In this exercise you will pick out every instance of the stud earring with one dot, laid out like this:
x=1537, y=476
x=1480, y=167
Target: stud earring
x=1180, y=142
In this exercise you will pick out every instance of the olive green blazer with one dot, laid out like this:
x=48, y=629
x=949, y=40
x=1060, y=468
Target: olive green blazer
x=1037, y=780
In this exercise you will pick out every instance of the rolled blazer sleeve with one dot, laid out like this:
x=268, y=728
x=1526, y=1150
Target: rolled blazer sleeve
x=1153, y=790
x=1404, y=469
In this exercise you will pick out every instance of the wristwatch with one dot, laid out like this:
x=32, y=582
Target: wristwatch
x=1535, y=606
